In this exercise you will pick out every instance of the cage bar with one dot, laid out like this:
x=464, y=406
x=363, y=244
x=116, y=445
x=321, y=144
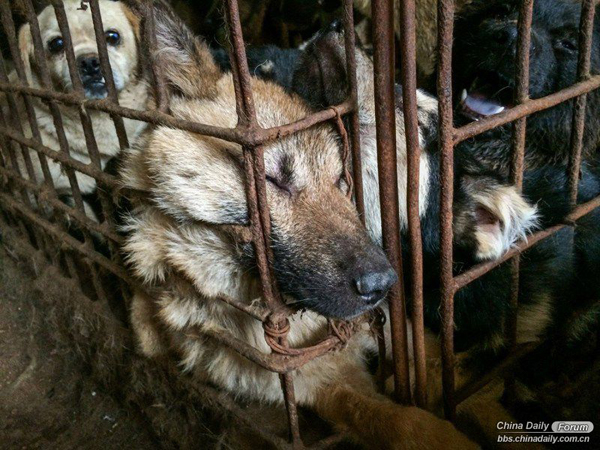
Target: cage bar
x=517, y=165
x=446, y=144
x=411, y=125
x=385, y=113
x=586, y=29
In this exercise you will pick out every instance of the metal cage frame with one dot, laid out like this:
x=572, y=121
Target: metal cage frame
x=51, y=238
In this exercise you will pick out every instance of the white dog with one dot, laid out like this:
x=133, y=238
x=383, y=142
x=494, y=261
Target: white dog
x=122, y=38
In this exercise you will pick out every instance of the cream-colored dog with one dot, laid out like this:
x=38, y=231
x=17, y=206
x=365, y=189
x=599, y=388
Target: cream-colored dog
x=122, y=38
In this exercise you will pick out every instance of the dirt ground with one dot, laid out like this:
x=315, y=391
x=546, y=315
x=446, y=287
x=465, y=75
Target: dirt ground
x=84, y=388
x=46, y=399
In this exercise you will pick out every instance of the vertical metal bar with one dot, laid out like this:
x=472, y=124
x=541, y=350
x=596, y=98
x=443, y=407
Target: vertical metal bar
x=586, y=26
x=86, y=123
x=411, y=125
x=107, y=71
x=518, y=158
x=158, y=82
x=45, y=80
x=57, y=116
x=257, y=200
x=385, y=114
x=349, y=38
x=447, y=289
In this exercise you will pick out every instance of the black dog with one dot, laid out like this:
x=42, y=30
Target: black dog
x=267, y=62
x=484, y=77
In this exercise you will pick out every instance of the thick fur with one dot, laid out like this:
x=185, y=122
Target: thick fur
x=127, y=72
x=484, y=65
x=190, y=219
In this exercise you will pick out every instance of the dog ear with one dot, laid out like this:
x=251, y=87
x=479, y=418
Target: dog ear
x=202, y=181
x=26, y=50
x=184, y=59
x=321, y=78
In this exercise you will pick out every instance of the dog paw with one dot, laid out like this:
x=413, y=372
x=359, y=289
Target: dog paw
x=490, y=218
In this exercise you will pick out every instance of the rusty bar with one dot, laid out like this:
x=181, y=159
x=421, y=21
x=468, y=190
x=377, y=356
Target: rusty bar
x=522, y=91
x=241, y=135
x=273, y=362
x=49, y=196
x=481, y=269
x=256, y=193
x=113, y=95
x=65, y=160
x=411, y=126
x=64, y=237
x=350, y=47
x=588, y=11
x=517, y=162
x=287, y=384
x=150, y=45
x=385, y=114
x=525, y=109
x=445, y=31
x=253, y=158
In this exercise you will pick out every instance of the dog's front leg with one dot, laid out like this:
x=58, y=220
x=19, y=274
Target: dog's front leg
x=376, y=422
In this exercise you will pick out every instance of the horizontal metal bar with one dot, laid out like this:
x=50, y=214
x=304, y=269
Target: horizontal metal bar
x=479, y=270
x=525, y=109
x=61, y=157
x=64, y=238
x=273, y=362
x=49, y=195
x=243, y=135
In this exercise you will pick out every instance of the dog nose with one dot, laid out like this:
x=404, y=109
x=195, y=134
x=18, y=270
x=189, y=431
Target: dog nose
x=89, y=65
x=374, y=286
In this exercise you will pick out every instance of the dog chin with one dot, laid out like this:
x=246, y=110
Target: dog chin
x=96, y=91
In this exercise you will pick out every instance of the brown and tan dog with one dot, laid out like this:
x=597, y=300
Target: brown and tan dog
x=187, y=222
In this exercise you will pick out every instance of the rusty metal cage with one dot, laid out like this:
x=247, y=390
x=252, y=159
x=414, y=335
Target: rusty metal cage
x=22, y=194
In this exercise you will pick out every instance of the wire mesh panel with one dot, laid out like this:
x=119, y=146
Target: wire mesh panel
x=67, y=235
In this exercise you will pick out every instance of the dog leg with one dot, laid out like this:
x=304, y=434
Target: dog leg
x=143, y=320
x=377, y=422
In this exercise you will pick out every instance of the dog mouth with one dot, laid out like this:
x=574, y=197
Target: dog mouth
x=489, y=94
x=95, y=88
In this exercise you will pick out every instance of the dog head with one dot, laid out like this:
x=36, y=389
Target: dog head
x=485, y=65
x=489, y=214
x=121, y=32
x=196, y=221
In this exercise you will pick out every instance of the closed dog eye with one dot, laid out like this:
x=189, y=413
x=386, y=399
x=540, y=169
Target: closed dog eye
x=280, y=185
